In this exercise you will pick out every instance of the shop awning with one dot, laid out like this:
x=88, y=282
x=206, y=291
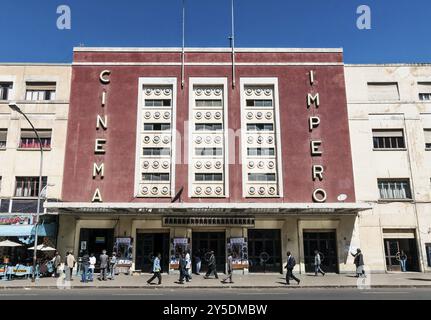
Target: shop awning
x=16, y=231
x=206, y=208
x=44, y=230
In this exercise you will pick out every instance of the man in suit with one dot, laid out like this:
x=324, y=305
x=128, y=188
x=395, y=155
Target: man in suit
x=289, y=266
x=212, y=266
x=103, y=265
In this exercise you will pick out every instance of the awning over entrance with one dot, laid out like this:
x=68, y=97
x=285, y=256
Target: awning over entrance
x=206, y=208
x=44, y=230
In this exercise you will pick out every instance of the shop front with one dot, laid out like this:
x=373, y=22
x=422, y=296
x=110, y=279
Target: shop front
x=397, y=242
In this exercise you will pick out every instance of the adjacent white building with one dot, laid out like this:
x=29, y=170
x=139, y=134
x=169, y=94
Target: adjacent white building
x=42, y=92
x=390, y=128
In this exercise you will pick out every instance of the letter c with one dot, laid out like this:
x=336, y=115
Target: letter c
x=104, y=76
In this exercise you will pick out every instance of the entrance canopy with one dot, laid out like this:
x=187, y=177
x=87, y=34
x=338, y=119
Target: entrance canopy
x=206, y=208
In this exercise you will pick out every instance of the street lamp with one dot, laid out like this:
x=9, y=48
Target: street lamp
x=16, y=108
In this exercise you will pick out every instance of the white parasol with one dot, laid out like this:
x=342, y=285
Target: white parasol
x=10, y=244
x=43, y=247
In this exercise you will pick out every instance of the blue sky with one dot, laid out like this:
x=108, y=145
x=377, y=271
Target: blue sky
x=400, y=29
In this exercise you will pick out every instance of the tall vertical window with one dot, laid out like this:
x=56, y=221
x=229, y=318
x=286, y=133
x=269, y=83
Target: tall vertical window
x=424, y=91
x=3, y=138
x=259, y=113
x=155, y=135
x=28, y=187
x=427, y=133
x=208, y=165
x=5, y=89
x=388, y=139
x=40, y=91
x=29, y=139
x=383, y=91
x=397, y=189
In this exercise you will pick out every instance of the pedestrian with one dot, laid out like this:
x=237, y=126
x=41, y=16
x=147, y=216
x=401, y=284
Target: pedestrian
x=103, y=265
x=156, y=269
x=317, y=263
x=212, y=266
x=56, y=263
x=289, y=266
x=403, y=261
x=359, y=263
x=85, y=264
x=229, y=268
x=70, y=263
x=91, y=267
x=189, y=264
x=112, y=266
x=198, y=262
x=183, y=270
x=79, y=266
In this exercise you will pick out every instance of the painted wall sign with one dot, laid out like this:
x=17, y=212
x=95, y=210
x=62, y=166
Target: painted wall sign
x=100, y=143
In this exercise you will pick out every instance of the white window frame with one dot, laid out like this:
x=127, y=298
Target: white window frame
x=156, y=81
x=210, y=81
x=269, y=81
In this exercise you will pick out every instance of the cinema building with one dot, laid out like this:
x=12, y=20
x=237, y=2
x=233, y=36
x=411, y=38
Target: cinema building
x=169, y=151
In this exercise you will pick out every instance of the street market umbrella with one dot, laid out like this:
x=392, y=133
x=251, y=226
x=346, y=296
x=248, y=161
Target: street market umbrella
x=42, y=247
x=10, y=244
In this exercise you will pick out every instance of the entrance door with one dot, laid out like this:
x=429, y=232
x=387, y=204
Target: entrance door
x=95, y=241
x=392, y=249
x=203, y=242
x=264, y=250
x=147, y=246
x=326, y=244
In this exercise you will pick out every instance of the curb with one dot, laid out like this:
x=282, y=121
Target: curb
x=221, y=287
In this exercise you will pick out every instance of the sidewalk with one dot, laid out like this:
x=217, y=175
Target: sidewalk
x=393, y=280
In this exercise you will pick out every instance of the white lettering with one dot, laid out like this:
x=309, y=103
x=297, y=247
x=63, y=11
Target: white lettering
x=104, y=76
x=99, y=146
x=319, y=195
x=318, y=172
x=102, y=122
x=315, y=144
x=97, y=197
x=314, y=122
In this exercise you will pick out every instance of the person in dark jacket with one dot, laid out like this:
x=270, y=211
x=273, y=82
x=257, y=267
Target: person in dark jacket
x=103, y=265
x=289, y=266
x=85, y=267
x=359, y=263
x=56, y=264
x=183, y=271
x=317, y=263
x=211, y=266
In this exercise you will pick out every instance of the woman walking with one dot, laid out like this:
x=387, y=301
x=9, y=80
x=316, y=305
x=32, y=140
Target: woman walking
x=359, y=263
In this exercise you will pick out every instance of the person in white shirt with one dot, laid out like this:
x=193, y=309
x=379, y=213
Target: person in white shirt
x=91, y=267
x=189, y=264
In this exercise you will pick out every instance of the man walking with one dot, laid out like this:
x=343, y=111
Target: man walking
x=289, y=266
x=403, y=261
x=183, y=270
x=103, y=265
x=57, y=264
x=212, y=266
x=85, y=264
x=317, y=263
x=112, y=266
x=156, y=270
x=70, y=263
x=229, y=269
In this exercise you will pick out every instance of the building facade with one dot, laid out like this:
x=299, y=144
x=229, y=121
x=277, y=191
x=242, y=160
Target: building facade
x=42, y=92
x=390, y=126
x=169, y=152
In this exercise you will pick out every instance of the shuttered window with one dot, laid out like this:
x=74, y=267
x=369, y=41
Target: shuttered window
x=394, y=189
x=424, y=91
x=29, y=139
x=40, y=91
x=3, y=138
x=383, y=91
x=427, y=133
x=388, y=139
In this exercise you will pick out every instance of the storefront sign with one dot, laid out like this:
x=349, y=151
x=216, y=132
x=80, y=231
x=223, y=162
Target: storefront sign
x=180, y=245
x=238, y=248
x=313, y=99
x=100, y=143
x=16, y=220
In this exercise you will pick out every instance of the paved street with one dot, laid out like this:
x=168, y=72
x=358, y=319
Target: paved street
x=216, y=294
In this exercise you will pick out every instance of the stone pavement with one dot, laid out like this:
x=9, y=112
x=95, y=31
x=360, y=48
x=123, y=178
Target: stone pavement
x=388, y=280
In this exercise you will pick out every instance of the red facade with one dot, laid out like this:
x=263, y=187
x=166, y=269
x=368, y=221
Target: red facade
x=291, y=69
